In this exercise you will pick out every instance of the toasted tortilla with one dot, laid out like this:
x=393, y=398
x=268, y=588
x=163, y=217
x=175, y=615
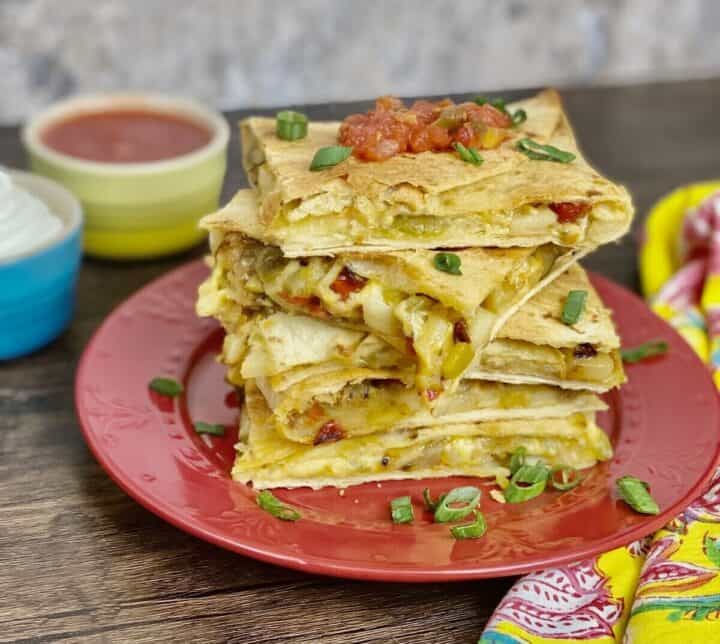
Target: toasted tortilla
x=425, y=200
x=267, y=459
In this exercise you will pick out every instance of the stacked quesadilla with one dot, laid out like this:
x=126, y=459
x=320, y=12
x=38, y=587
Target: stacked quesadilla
x=403, y=318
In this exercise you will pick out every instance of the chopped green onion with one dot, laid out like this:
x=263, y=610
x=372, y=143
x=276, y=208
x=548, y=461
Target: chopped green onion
x=429, y=503
x=497, y=103
x=518, y=116
x=574, y=306
x=470, y=530
x=569, y=477
x=290, y=125
x=328, y=157
x=517, y=460
x=527, y=483
x=636, y=494
x=469, y=155
x=401, y=510
x=209, y=428
x=468, y=495
x=447, y=263
x=643, y=351
x=538, y=152
x=166, y=387
x=270, y=503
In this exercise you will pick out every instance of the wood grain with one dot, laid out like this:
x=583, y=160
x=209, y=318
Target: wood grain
x=81, y=562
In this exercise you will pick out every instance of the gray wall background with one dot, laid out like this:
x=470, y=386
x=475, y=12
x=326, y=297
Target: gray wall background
x=236, y=53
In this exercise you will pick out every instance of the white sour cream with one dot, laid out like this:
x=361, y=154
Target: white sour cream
x=26, y=223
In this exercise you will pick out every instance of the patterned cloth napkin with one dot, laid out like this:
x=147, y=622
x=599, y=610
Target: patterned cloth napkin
x=665, y=588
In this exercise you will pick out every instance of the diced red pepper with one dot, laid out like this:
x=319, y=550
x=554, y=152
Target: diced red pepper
x=584, y=350
x=460, y=332
x=431, y=394
x=315, y=412
x=347, y=282
x=410, y=347
x=570, y=211
x=312, y=303
x=329, y=432
x=232, y=399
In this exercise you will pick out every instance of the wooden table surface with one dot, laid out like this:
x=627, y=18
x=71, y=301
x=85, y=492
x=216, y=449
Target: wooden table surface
x=82, y=562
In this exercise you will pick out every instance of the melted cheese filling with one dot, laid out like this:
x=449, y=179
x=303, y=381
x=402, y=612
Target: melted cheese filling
x=379, y=405
x=414, y=324
x=286, y=349
x=527, y=359
x=481, y=449
x=350, y=226
x=342, y=220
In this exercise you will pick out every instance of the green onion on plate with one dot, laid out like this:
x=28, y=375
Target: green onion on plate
x=401, y=510
x=564, y=477
x=166, y=386
x=636, y=494
x=528, y=482
x=517, y=459
x=429, y=503
x=644, y=351
x=470, y=530
x=209, y=428
x=468, y=496
x=270, y=503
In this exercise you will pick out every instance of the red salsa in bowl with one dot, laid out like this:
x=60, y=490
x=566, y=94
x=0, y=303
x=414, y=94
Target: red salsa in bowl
x=145, y=167
x=126, y=136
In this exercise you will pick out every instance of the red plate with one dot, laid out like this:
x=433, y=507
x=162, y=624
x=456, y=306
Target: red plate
x=663, y=424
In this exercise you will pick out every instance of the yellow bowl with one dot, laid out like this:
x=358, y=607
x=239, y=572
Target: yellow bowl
x=659, y=254
x=137, y=210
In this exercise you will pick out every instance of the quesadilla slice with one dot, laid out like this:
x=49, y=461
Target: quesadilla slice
x=268, y=459
x=511, y=196
x=533, y=347
x=536, y=346
x=439, y=320
x=355, y=402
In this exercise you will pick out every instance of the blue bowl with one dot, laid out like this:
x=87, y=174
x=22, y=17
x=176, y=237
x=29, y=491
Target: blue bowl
x=37, y=289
